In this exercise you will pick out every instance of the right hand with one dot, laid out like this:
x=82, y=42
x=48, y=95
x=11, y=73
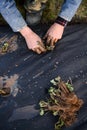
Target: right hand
x=33, y=41
x=54, y=34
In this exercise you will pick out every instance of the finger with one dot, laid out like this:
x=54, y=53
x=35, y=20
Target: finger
x=45, y=36
x=41, y=46
x=55, y=40
x=38, y=51
x=40, y=43
x=52, y=42
x=48, y=40
x=42, y=49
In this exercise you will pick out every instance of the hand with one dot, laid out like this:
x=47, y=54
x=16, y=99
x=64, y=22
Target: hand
x=33, y=41
x=54, y=33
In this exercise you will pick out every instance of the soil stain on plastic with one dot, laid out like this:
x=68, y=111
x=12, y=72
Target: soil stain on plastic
x=9, y=85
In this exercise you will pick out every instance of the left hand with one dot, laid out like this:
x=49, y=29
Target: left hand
x=54, y=33
x=33, y=41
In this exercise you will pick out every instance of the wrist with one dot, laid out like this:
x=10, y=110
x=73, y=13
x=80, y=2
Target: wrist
x=61, y=21
x=25, y=31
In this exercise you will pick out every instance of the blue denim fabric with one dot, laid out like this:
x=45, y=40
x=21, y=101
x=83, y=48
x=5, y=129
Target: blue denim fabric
x=12, y=15
x=69, y=9
x=15, y=20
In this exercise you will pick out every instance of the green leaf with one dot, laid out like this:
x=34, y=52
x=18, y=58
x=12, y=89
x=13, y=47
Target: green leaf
x=70, y=87
x=59, y=124
x=58, y=78
x=51, y=90
x=55, y=113
x=5, y=47
x=53, y=82
x=41, y=112
x=43, y=104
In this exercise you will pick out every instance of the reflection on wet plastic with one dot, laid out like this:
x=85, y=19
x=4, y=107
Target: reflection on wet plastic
x=27, y=112
x=14, y=89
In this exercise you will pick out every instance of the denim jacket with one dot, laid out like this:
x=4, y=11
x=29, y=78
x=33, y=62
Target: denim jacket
x=69, y=9
x=11, y=14
x=13, y=17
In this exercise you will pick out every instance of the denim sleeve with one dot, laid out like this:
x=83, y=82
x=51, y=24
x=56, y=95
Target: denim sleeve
x=69, y=9
x=11, y=14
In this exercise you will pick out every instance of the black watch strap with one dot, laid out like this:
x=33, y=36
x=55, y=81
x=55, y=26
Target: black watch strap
x=61, y=21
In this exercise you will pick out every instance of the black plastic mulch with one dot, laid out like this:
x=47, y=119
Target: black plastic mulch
x=68, y=59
